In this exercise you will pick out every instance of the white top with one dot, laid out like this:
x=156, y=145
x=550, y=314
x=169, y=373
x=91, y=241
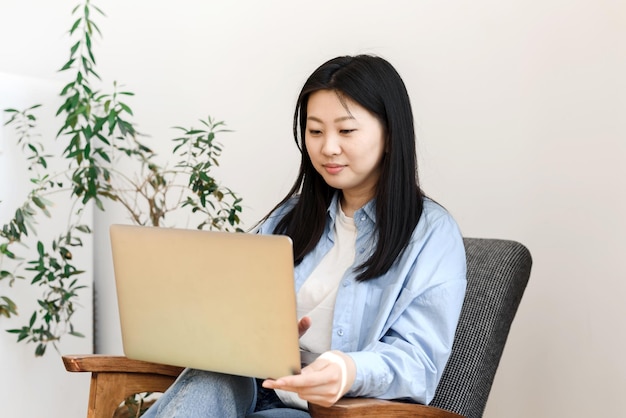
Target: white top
x=316, y=298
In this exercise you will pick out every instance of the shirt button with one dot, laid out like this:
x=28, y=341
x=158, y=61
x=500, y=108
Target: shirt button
x=363, y=218
x=361, y=250
x=340, y=332
x=345, y=283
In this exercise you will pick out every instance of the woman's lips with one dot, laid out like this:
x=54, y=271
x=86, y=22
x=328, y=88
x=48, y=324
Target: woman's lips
x=333, y=168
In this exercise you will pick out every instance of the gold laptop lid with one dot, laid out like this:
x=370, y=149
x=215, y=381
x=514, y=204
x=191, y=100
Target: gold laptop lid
x=215, y=301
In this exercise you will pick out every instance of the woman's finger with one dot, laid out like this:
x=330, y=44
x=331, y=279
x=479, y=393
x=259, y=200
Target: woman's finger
x=303, y=325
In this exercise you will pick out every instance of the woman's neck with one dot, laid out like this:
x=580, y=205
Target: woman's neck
x=350, y=204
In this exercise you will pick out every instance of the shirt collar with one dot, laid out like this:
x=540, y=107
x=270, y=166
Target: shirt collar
x=368, y=211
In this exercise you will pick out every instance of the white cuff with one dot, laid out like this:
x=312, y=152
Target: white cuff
x=337, y=359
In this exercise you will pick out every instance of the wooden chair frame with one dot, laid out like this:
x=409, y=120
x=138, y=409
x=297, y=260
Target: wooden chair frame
x=114, y=378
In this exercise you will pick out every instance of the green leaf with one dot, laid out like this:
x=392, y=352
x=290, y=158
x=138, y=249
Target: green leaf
x=195, y=132
x=40, y=350
x=77, y=44
x=94, y=26
x=75, y=26
x=98, y=10
x=126, y=108
x=10, y=305
x=8, y=253
x=103, y=155
x=37, y=201
x=68, y=65
x=84, y=228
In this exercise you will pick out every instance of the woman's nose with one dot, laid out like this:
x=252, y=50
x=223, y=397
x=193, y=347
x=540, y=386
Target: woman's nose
x=331, y=145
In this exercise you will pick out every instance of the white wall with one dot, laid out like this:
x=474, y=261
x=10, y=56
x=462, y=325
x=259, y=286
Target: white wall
x=23, y=377
x=522, y=135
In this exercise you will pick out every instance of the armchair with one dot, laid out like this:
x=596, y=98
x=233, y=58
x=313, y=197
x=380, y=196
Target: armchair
x=498, y=271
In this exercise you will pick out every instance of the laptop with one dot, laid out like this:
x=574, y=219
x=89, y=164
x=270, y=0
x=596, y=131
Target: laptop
x=217, y=301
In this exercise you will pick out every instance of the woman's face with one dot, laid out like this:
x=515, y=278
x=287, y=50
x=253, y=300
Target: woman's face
x=346, y=144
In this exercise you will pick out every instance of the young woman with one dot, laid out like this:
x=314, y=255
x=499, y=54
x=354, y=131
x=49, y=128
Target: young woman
x=379, y=268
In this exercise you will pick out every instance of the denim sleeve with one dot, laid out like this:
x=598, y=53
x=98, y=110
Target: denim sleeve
x=408, y=359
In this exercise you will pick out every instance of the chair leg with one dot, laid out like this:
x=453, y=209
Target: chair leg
x=108, y=390
x=105, y=394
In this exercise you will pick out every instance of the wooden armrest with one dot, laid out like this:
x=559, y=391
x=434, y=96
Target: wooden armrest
x=365, y=407
x=102, y=363
x=115, y=378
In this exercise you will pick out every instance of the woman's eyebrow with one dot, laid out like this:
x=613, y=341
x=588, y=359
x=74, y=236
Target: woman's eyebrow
x=340, y=119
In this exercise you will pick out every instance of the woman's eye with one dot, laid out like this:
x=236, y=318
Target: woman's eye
x=314, y=132
x=346, y=131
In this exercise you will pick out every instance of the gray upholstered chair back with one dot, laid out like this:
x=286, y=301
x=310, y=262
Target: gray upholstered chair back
x=497, y=273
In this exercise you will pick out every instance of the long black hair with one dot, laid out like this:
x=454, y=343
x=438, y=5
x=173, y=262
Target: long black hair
x=373, y=83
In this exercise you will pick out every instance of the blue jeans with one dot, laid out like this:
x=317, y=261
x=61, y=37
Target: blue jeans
x=202, y=394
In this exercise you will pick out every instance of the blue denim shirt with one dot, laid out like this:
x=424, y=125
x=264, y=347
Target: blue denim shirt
x=398, y=328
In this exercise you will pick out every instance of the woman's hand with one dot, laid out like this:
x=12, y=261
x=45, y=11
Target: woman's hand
x=322, y=382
